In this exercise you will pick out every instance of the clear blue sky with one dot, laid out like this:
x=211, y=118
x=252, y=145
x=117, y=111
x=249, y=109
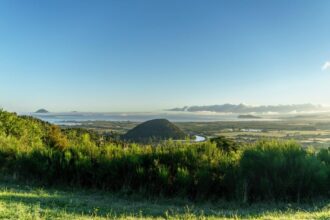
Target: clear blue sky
x=144, y=55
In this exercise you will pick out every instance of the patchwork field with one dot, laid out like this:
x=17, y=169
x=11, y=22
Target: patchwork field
x=309, y=132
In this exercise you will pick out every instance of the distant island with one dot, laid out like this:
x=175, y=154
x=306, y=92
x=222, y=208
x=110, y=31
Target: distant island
x=42, y=110
x=248, y=117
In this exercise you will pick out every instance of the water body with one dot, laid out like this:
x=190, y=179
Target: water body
x=76, y=117
x=199, y=138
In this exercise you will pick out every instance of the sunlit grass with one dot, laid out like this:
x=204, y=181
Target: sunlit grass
x=24, y=202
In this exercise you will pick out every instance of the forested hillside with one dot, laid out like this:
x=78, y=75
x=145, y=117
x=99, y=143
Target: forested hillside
x=156, y=129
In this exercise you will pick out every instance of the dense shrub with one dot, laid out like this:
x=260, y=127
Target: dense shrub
x=265, y=171
x=282, y=170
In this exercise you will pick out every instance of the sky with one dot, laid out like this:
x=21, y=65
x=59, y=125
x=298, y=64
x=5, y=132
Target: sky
x=149, y=55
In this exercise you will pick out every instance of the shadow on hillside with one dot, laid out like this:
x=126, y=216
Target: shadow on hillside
x=105, y=205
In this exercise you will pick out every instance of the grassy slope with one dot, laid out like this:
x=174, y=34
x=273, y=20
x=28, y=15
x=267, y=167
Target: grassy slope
x=26, y=202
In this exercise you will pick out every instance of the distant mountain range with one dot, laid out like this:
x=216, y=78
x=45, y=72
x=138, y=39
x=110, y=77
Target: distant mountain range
x=245, y=109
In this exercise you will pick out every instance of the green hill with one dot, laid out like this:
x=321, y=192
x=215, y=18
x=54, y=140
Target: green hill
x=30, y=132
x=159, y=129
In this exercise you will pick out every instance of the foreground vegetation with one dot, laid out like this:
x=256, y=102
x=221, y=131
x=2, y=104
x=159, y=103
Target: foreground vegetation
x=268, y=170
x=31, y=202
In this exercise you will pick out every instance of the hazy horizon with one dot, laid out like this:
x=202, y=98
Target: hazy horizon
x=134, y=56
x=300, y=108
x=143, y=110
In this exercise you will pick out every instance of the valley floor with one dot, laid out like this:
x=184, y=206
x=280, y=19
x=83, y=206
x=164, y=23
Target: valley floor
x=30, y=202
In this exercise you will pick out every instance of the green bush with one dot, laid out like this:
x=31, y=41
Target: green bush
x=225, y=144
x=276, y=170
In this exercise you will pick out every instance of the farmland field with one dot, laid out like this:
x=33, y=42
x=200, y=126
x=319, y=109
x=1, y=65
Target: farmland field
x=308, y=132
